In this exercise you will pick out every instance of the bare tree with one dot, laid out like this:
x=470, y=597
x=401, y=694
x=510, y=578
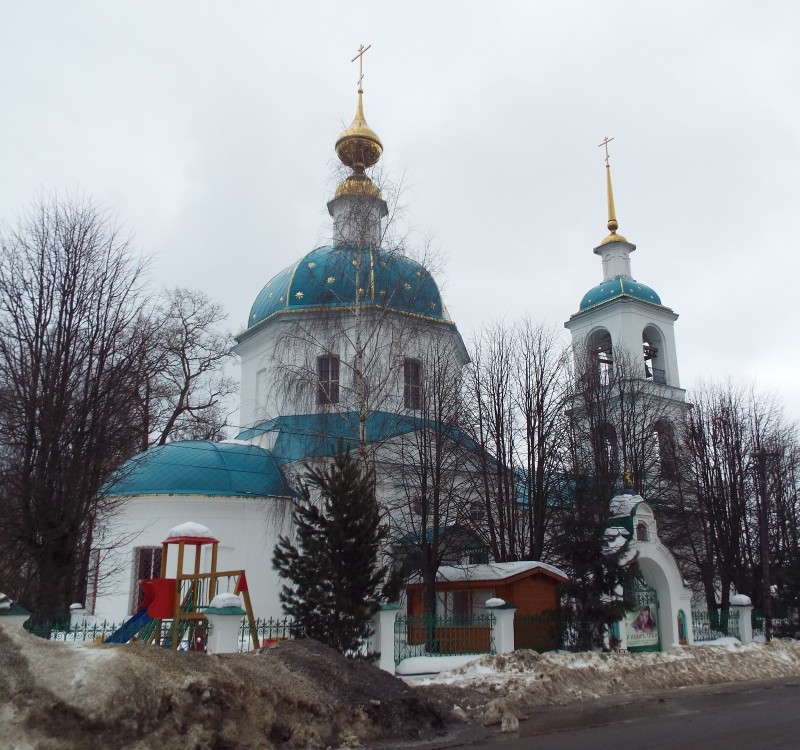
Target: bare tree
x=718, y=511
x=185, y=386
x=428, y=467
x=517, y=393
x=70, y=295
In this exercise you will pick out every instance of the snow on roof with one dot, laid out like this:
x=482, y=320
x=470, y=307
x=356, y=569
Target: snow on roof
x=622, y=505
x=493, y=571
x=189, y=529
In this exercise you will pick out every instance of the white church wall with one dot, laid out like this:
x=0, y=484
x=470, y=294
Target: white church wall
x=279, y=361
x=246, y=528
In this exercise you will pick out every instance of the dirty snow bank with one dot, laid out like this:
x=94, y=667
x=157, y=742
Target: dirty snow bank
x=526, y=679
x=299, y=694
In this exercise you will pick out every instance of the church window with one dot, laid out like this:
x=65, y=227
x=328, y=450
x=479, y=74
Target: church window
x=412, y=383
x=146, y=565
x=328, y=379
x=641, y=532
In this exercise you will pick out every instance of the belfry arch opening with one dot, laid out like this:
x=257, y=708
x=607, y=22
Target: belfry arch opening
x=654, y=355
x=601, y=353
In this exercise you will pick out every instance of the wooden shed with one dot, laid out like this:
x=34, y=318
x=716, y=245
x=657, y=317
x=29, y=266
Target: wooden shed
x=464, y=589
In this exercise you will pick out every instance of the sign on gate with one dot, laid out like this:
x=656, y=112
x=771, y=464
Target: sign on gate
x=641, y=623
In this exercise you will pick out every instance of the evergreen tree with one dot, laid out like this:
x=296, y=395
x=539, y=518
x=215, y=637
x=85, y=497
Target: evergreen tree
x=601, y=567
x=336, y=581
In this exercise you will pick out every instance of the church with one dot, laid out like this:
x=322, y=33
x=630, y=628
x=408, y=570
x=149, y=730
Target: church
x=334, y=353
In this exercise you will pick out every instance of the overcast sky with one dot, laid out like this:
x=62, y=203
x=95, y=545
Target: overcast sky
x=208, y=129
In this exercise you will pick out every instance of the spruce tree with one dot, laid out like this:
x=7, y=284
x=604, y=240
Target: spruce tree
x=336, y=583
x=600, y=566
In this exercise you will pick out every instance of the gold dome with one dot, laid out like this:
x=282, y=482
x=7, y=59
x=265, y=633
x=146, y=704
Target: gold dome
x=358, y=146
x=358, y=184
x=613, y=237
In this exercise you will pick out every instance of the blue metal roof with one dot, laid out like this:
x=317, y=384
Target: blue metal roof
x=328, y=276
x=615, y=288
x=201, y=467
x=303, y=436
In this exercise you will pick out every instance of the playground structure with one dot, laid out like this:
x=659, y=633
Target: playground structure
x=172, y=609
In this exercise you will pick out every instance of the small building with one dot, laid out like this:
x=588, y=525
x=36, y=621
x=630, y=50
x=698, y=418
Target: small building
x=462, y=590
x=530, y=586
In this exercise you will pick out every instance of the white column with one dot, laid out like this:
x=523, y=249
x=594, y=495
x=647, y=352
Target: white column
x=383, y=638
x=742, y=605
x=224, y=615
x=503, y=626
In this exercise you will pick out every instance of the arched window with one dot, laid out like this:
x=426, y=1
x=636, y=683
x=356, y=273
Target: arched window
x=641, y=532
x=601, y=353
x=655, y=368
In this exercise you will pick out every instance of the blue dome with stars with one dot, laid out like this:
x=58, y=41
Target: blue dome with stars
x=618, y=287
x=329, y=277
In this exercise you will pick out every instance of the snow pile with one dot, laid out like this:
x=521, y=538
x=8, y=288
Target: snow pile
x=298, y=694
x=527, y=679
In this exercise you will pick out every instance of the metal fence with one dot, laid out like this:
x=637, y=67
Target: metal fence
x=708, y=626
x=443, y=635
x=83, y=632
x=784, y=624
x=192, y=635
x=539, y=632
x=270, y=631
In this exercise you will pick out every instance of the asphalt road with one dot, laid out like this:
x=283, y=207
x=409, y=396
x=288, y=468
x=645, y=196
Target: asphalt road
x=751, y=716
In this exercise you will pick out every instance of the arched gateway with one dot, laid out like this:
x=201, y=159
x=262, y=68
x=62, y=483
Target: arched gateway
x=660, y=620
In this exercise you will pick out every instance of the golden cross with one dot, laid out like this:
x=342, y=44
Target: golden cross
x=360, y=57
x=605, y=143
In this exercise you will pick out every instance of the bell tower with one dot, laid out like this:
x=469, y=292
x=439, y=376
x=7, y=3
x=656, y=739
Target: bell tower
x=622, y=320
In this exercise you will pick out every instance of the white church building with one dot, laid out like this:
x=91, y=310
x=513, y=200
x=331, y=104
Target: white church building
x=333, y=352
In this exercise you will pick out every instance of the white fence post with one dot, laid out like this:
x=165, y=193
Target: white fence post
x=742, y=605
x=77, y=615
x=383, y=638
x=224, y=615
x=503, y=626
